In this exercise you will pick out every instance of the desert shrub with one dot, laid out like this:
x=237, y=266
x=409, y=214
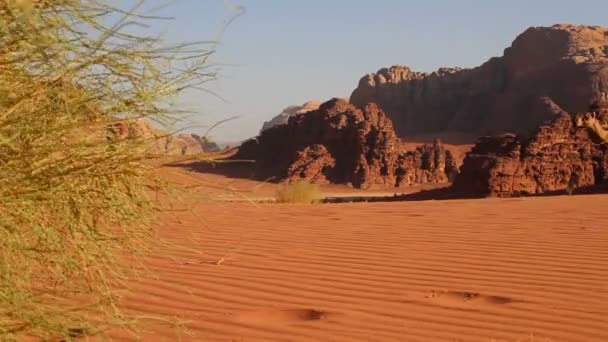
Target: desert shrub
x=72, y=202
x=299, y=192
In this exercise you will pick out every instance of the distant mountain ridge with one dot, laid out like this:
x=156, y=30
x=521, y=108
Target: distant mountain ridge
x=290, y=111
x=160, y=141
x=567, y=64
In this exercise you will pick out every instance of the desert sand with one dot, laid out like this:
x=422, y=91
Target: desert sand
x=527, y=269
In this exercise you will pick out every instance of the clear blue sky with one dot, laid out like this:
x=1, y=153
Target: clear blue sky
x=285, y=52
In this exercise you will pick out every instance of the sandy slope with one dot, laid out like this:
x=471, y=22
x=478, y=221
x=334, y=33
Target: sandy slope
x=532, y=269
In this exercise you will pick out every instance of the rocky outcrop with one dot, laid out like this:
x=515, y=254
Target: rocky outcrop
x=343, y=144
x=186, y=144
x=283, y=117
x=565, y=63
x=429, y=163
x=596, y=121
x=314, y=164
x=558, y=157
x=159, y=141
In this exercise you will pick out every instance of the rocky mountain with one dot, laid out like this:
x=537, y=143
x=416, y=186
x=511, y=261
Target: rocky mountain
x=343, y=144
x=567, y=64
x=281, y=118
x=159, y=141
x=558, y=156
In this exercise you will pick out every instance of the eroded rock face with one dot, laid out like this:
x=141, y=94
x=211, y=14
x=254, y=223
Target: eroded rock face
x=565, y=63
x=558, y=157
x=314, y=164
x=429, y=163
x=283, y=117
x=341, y=144
x=158, y=141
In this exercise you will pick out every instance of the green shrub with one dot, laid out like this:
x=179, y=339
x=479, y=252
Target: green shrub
x=72, y=202
x=300, y=192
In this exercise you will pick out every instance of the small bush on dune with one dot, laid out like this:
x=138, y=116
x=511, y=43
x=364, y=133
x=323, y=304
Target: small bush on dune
x=72, y=201
x=300, y=192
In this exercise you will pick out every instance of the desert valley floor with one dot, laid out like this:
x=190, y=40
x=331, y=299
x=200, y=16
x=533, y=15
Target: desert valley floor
x=527, y=269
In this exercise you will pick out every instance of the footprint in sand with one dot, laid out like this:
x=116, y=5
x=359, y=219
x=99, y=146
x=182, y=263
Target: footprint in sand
x=279, y=316
x=465, y=299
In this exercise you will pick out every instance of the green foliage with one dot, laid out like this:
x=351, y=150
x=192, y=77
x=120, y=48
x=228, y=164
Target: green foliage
x=72, y=202
x=300, y=192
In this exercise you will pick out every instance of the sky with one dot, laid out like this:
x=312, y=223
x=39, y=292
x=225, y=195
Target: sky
x=286, y=52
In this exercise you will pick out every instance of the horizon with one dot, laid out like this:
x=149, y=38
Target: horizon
x=278, y=55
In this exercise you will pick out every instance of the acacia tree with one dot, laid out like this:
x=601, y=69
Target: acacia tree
x=72, y=203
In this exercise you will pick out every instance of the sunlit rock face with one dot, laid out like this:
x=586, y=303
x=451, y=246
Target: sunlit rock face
x=567, y=64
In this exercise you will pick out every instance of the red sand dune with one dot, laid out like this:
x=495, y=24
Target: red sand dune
x=531, y=269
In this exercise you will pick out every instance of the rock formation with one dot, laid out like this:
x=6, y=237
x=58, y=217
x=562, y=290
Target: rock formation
x=558, y=157
x=429, y=163
x=340, y=143
x=159, y=141
x=283, y=117
x=186, y=144
x=565, y=63
x=596, y=120
x=314, y=164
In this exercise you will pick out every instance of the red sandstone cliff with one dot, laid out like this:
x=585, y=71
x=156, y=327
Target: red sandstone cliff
x=558, y=156
x=565, y=63
x=340, y=143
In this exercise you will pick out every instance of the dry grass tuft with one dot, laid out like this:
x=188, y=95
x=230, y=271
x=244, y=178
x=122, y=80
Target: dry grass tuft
x=300, y=192
x=73, y=201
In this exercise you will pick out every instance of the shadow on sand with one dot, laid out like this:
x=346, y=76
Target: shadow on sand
x=245, y=170
x=448, y=193
x=445, y=193
x=227, y=168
